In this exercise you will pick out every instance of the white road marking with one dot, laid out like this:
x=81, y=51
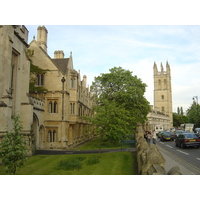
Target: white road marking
x=198, y=158
x=169, y=146
x=182, y=152
x=162, y=142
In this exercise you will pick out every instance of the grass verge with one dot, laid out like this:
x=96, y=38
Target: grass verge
x=118, y=163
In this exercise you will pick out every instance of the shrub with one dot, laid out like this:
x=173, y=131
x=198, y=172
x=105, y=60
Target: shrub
x=70, y=164
x=92, y=161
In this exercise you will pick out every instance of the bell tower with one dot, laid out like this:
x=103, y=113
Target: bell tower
x=162, y=91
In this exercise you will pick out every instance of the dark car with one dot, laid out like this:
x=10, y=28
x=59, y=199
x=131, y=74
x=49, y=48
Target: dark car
x=159, y=134
x=167, y=136
x=187, y=140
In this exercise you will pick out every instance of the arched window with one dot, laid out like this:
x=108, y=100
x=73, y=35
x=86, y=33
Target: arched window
x=163, y=108
x=49, y=136
x=52, y=136
x=40, y=79
x=71, y=83
x=55, y=107
x=163, y=97
x=50, y=107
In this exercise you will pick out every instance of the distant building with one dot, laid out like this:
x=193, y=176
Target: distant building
x=161, y=113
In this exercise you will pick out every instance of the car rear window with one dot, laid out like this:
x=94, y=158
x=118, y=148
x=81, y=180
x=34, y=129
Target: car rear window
x=190, y=136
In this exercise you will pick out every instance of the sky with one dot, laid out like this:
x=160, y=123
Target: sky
x=98, y=48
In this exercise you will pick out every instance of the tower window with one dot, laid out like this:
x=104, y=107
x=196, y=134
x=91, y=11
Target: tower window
x=163, y=97
x=163, y=109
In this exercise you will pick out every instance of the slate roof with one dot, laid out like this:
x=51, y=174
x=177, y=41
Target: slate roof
x=61, y=64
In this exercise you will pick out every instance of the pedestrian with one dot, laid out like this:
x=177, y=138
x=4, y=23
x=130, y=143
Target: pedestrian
x=154, y=137
x=149, y=137
x=145, y=135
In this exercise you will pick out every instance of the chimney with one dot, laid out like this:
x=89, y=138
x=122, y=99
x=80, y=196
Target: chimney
x=59, y=54
x=42, y=37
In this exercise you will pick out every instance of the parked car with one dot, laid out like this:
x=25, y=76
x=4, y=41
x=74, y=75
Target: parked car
x=167, y=136
x=187, y=140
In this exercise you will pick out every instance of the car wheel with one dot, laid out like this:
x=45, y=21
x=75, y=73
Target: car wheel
x=176, y=144
x=197, y=147
x=182, y=146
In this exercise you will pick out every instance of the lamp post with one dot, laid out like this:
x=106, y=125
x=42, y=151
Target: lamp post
x=63, y=81
x=196, y=97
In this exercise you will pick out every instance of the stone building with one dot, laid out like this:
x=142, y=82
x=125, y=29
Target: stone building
x=53, y=119
x=14, y=80
x=66, y=101
x=161, y=112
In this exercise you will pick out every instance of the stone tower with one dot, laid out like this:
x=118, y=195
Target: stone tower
x=163, y=92
x=42, y=37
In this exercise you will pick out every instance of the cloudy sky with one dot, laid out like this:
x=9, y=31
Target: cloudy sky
x=98, y=48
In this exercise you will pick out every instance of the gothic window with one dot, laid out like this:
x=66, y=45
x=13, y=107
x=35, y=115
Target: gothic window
x=53, y=107
x=50, y=107
x=163, y=97
x=71, y=83
x=40, y=79
x=72, y=108
x=159, y=82
x=163, y=108
x=52, y=136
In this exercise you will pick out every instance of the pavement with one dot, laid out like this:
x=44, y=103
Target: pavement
x=173, y=160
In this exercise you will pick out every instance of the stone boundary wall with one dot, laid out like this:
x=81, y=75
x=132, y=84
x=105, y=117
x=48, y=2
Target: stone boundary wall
x=150, y=160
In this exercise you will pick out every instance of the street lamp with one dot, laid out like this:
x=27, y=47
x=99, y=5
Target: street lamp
x=63, y=81
x=196, y=97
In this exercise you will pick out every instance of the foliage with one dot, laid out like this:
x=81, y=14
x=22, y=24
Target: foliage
x=13, y=148
x=119, y=104
x=92, y=160
x=70, y=164
x=179, y=119
x=180, y=110
x=34, y=70
x=193, y=114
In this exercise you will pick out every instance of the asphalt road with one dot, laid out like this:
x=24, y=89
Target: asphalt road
x=190, y=155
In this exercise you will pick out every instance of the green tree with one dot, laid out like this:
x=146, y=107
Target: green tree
x=13, y=148
x=179, y=119
x=119, y=104
x=193, y=114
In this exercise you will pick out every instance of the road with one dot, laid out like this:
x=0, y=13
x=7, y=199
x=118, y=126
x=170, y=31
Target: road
x=190, y=155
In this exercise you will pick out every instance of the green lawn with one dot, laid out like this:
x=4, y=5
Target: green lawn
x=119, y=163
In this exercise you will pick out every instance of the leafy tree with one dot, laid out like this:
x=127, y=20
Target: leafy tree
x=13, y=148
x=119, y=104
x=178, y=111
x=179, y=119
x=193, y=114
